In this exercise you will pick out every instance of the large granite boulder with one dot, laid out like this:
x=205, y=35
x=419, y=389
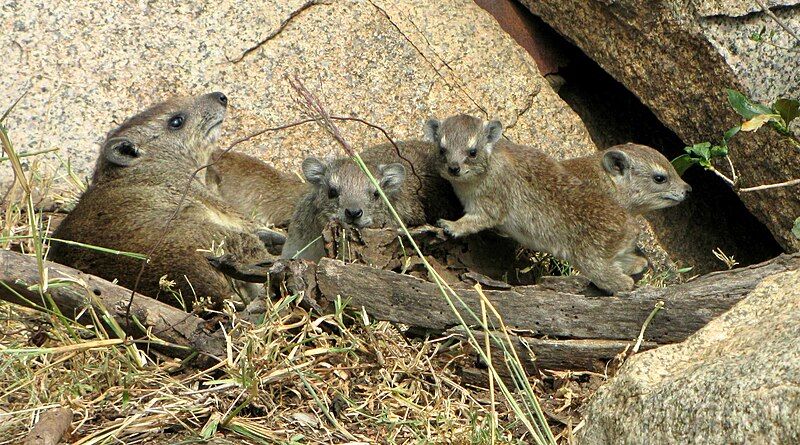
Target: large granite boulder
x=87, y=65
x=678, y=56
x=737, y=380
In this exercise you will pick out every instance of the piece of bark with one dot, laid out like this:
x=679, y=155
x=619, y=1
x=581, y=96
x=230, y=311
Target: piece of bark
x=687, y=307
x=53, y=424
x=576, y=355
x=18, y=272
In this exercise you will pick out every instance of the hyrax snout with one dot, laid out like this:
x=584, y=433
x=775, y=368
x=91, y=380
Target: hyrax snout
x=142, y=181
x=532, y=198
x=639, y=177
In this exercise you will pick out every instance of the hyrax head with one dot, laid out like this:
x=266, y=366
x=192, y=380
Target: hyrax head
x=644, y=178
x=465, y=144
x=177, y=134
x=345, y=194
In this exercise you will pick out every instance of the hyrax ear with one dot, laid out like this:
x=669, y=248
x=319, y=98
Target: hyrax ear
x=392, y=177
x=314, y=170
x=616, y=162
x=493, y=129
x=431, y=130
x=122, y=152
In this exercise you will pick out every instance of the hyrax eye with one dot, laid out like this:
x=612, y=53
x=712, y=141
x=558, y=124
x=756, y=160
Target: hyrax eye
x=376, y=195
x=332, y=193
x=176, y=121
x=659, y=179
x=473, y=152
x=441, y=151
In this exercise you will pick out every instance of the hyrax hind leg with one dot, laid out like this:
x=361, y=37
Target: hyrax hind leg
x=605, y=274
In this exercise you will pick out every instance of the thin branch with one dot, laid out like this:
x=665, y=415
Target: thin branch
x=771, y=186
x=733, y=170
x=727, y=180
x=777, y=20
x=640, y=338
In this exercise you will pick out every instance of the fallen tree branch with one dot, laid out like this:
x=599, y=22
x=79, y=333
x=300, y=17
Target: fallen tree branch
x=687, y=307
x=183, y=333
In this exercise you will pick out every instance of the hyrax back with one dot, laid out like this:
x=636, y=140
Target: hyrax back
x=257, y=190
x=638, y=177
x=144, y=167
x=341, y=192
x=531, y=197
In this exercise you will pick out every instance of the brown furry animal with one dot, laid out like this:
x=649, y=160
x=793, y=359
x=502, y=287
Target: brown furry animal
x=532, y=198
x=638, y=177
x=143, y=169
x=258, y=190
x=342, y=192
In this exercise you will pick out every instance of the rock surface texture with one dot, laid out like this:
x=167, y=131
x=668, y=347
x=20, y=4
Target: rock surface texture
x=737, y=380
x=678, y=56
x=89, y=65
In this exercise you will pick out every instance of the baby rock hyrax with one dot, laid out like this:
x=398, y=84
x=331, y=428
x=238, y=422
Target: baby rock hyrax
x=340, y=191
x=638, y=177
x=532, y=198
x=254, y=188
x=143, y=169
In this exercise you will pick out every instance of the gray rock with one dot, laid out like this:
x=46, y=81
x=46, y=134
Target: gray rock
x=737, y=380
x=678, y=56
x=89, y=65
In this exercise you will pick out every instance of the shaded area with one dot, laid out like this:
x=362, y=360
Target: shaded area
x=713, y=217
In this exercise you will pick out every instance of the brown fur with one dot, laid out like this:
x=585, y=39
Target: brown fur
x=419, y=195
x=256, y=189
x=143, y=169
x=630, y=173
x=531, y=197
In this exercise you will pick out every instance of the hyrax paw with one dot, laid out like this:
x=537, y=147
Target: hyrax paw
x=449, y=230
x=272, y=240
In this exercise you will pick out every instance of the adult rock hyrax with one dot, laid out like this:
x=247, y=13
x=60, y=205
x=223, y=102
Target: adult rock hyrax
x=143, y=169
x=341, y=192
x=532, y=198
x=257, y=190
x=638, y=177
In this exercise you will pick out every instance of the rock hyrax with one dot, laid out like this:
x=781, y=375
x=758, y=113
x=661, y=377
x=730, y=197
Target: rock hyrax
x=638, y=177
x=532, y=198
x=340, y=191
x=142, y=171
x=257, y=190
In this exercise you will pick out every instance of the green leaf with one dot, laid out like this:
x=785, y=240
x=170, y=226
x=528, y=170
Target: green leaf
x=683, y=162
x=730, y=134
x=719, y=151
x=701, y=150
x=796, y=228
x=787, y=108
x=744, y=106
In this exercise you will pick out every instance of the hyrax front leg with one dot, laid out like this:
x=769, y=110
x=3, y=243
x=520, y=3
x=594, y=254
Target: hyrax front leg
x=467, y=224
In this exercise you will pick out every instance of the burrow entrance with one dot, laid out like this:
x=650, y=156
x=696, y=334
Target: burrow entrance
x=714, y=216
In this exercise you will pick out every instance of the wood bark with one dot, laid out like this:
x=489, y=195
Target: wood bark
x=544, y=312
x=19, y=272
x=53, y=424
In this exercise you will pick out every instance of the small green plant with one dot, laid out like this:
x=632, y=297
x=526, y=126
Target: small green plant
x=778, y=116
x=796, y=228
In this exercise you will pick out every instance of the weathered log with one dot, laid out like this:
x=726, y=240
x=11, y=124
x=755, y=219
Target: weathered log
x=544, y=354
x=18, y=272
x=687, y=307
x=51, y=427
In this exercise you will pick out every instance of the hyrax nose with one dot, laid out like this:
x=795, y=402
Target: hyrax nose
x=353, y=213
x=221, y=98
x=454, y=170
